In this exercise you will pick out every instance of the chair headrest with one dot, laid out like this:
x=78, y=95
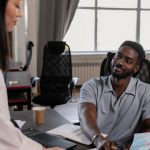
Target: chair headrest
x=110, y=56
x=55, y=47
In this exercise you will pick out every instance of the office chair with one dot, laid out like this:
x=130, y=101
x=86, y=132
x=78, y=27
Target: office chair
x=106, y=64
x=56, y=76
x=28, y=56
x=143, y=74
x=28, y=60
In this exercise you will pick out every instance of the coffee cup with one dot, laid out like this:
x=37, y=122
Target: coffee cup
x=38, y=115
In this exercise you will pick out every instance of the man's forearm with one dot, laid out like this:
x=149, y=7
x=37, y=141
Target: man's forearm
x=94, y=134
x=88, y=124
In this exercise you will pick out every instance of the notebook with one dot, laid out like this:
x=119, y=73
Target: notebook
x=48, y=140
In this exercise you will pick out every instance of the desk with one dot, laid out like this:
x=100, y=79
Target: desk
x=19, y=82
x=52, y=120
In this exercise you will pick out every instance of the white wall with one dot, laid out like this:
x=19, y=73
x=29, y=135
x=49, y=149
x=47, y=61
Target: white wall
x=19, y=39
x=33, y=14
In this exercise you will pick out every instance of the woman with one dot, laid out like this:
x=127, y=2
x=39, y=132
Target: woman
x=11, y=138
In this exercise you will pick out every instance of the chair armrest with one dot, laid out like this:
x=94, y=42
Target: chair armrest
x=75, y=80
x=34, y=80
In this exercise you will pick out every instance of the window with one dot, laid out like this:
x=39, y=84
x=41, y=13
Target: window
x=102, y=25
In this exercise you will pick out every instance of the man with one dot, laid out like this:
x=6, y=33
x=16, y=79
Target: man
x=117, y=105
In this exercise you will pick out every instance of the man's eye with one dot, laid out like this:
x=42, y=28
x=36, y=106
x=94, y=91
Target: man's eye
x=128, y=61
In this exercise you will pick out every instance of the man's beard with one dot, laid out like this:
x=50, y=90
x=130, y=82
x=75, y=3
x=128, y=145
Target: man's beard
x=123, y=75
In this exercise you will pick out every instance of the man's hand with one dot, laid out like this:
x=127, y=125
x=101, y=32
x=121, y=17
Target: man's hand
x=104, y=144
x=108, y=145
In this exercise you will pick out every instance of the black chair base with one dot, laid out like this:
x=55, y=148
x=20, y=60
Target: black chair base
x=51, y=101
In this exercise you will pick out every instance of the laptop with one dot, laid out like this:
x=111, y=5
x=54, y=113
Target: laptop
x=48, y=140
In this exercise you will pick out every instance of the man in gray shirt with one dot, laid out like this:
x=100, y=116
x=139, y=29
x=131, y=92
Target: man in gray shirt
x=117, y=105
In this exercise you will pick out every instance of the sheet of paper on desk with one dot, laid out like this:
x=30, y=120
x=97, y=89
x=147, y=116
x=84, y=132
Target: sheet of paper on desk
x=141, y=141
x=72, y=132
x=69, y=111
x=20, y=123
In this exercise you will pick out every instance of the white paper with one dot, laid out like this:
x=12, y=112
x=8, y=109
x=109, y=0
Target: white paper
x=72, y=132
x=141, y=141
x=69, y=111
x=20, y=123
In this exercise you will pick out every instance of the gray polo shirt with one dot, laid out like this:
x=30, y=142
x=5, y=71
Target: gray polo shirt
x=118, y=118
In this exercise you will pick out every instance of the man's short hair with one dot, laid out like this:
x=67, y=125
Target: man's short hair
x=138, y=48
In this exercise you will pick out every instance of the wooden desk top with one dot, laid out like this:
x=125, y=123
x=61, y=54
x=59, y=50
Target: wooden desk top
x=18, y=79
x=52, y=120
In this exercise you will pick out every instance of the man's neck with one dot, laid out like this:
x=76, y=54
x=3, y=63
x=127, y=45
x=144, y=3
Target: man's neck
x=119, y=85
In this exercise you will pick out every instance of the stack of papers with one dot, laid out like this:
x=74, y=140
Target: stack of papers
x=72, y=132
x=141, y=141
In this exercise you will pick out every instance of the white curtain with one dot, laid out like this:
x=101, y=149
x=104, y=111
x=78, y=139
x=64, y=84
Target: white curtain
x=54, y=21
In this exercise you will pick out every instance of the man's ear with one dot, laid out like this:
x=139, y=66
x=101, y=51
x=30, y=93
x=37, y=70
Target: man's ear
x=136, y=69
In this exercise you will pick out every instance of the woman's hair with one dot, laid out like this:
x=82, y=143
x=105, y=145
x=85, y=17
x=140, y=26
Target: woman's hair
x=4, y=49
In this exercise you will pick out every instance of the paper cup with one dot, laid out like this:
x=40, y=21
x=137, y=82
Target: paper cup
x=38, y=115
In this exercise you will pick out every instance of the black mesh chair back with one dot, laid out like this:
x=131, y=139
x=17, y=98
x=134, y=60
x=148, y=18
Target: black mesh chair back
x=143, y=74
x=106, y=64
x=56, y=74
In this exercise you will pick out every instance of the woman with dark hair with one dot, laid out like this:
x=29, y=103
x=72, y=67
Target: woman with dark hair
x=11, y=138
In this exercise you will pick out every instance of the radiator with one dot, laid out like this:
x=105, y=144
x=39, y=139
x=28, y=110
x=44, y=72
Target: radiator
x=86, y=67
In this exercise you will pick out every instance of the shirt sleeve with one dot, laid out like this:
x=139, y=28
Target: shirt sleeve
x=146, y=105
x=11, y=138
x=88, y=92
x=4, y=111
